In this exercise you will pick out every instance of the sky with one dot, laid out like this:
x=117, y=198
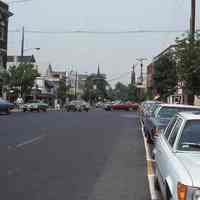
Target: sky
x=115, y=53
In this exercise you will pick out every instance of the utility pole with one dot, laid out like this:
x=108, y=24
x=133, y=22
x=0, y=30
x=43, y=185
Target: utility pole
x=22, y=44
x=133, y=75
x=192, y=19
x=141, y=60
x=76, y=80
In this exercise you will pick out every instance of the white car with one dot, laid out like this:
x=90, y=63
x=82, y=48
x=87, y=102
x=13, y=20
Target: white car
x=177, y=157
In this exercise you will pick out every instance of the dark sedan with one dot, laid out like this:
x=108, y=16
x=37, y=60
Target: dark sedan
x=5, y=106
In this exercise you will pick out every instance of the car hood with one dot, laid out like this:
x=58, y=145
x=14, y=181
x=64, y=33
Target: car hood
x=191, y=162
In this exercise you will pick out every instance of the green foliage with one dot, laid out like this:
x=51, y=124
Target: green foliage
x=188, y=63
x=95, y=88
x=124, y=93
x=22, y=77
x=62, y=90
x=165, y=77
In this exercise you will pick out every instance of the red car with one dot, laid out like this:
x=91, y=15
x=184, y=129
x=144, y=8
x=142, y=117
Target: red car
x=125, y=106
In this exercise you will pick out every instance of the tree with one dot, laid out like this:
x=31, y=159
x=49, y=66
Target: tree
x=4, y=81
x=62, y=91
x=165, y=77
x=188, y=64
x=121, y=91
x=23, y=77
x=95, y=88
x=132, y=93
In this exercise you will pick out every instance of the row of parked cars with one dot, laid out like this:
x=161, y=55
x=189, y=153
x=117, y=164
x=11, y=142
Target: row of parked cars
x=174, y=132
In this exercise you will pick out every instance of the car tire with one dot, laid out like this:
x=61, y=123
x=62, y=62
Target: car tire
x=24, y=110
x=8, y=111
x=156, y=183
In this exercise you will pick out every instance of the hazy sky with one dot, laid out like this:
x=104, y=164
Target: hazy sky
x=115, y=53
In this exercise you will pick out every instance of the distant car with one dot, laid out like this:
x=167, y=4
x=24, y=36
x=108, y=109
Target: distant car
x=177, y=158
x=35, y=105
x=78, y=105
x=125, y=106
x=99, y=104
x=108, y=106
x=5, y=106
x=161, y=117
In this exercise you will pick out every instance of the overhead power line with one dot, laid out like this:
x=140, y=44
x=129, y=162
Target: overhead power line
x=98, y=32
x=119, y=77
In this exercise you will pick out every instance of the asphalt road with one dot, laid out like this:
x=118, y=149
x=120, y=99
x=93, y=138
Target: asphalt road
x=75, y=156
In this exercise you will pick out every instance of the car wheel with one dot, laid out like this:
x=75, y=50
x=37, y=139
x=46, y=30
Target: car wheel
x=8, y=111
x=157, y=186
x=24, y=110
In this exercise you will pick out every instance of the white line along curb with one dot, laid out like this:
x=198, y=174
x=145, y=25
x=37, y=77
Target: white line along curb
x=151, y=176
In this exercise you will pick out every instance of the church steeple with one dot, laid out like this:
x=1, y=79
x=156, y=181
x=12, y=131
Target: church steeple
x=98, y=71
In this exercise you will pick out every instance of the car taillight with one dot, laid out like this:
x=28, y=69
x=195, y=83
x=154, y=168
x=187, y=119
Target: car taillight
x=182, y=191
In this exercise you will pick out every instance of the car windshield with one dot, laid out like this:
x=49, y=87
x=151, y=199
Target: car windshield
x=190, y=137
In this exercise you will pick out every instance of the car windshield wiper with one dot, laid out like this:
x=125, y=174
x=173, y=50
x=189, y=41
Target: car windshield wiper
x=191, y=144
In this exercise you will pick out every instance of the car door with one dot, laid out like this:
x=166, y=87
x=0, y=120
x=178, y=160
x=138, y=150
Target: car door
x=162, y=151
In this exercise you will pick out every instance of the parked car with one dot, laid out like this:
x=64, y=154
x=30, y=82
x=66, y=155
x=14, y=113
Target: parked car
x=146, y=109
x=125, y=106
x=177, y=156
x=35, y=105
x=5, y=106
x=161, y=116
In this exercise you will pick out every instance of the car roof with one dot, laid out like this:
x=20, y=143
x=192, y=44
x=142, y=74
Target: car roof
x=179, y=106
x=194, y=115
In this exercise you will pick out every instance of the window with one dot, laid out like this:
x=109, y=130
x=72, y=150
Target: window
x=175, y=131
x=190, y=135
x=1, y=33
x=170, y=127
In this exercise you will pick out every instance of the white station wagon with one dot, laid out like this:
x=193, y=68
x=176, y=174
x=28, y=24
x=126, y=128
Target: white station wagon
x=177, y=156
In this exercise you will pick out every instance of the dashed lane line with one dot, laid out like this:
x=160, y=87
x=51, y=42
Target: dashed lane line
x=34, y=140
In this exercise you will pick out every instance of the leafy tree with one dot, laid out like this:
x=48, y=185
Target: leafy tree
x=62, y=91
x=188, y=64
x=121, y=91
x=132, y=93
x=4, y=81
x=165, y=77
x=95, y=88
x=23, y=77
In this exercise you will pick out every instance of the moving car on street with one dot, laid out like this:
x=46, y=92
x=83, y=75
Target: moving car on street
x=160, y=118
x=129, y=106
x=35, y=105
x=177, y=156
x=5, y=106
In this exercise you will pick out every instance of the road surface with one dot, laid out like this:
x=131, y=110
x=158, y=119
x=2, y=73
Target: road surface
x=77, y=156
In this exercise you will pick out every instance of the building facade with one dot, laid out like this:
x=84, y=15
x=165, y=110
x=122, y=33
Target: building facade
x=16, y=60
x=4, y=16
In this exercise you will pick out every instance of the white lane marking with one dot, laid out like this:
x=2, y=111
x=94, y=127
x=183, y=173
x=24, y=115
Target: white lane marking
x=36, y=139
x=151, y=177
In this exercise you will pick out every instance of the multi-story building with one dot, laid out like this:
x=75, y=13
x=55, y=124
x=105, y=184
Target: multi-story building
x=4, y=15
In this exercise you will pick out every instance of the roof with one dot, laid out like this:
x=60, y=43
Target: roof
x=4, y=9
x=190, y=115
x=25, y=59
x=179, y=106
